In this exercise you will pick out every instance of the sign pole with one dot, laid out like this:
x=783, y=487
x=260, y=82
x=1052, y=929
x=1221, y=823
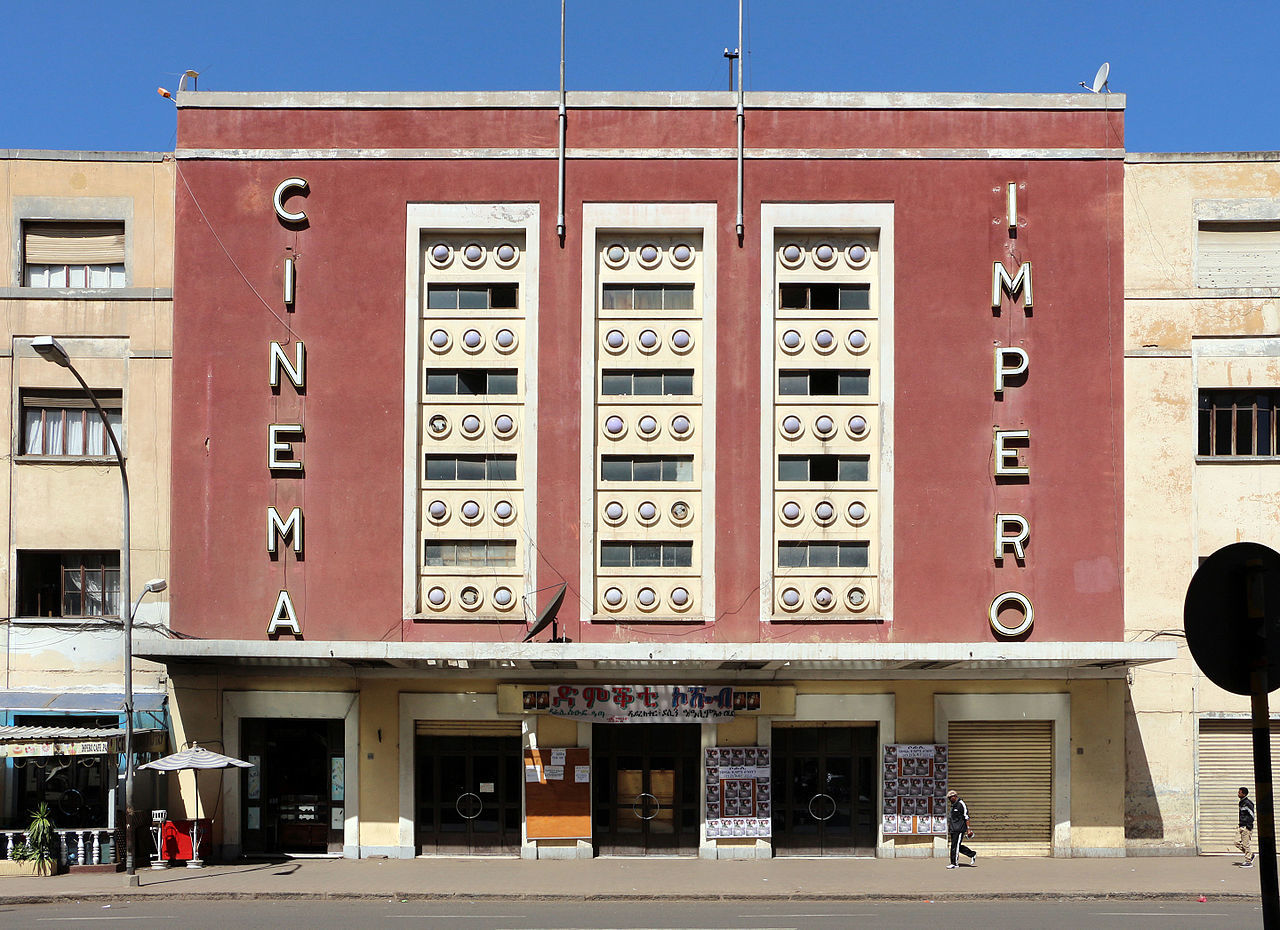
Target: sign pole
x=1255, y=611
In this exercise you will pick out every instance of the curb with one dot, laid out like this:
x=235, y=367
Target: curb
x=819, y=897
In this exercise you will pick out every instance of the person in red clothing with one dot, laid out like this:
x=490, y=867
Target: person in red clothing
x=957, y=829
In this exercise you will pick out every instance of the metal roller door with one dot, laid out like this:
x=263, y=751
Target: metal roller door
x=466, y=728
x=1226, y=763
x=1003, y=770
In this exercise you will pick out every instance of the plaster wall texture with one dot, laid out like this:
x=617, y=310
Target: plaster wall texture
x=1180, y=338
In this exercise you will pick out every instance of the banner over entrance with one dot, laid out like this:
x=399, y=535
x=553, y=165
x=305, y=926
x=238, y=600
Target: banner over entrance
x=642, y=703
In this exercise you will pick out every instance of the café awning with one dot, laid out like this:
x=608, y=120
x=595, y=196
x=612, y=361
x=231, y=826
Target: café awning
x=36, y=742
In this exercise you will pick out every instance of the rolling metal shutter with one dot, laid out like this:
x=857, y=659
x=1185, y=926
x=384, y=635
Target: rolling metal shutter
x=1238, y=254
x=1225, y=763
x=466, y=727
x=1003, y=770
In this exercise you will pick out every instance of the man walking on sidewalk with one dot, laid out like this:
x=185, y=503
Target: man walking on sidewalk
x=1245, y=843
x=957, y=829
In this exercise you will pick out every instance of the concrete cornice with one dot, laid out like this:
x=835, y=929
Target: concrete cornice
x=1189, y=158
x=540, y=99
x=61, y=155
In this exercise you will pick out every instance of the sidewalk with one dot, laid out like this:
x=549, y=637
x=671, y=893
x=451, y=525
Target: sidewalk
x=1179, y=878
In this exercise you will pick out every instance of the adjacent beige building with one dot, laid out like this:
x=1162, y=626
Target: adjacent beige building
x=1202, y=465
x=87, y=243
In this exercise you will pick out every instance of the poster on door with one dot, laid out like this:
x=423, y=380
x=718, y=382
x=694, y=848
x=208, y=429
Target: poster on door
x=915, y=789
x=739, y=792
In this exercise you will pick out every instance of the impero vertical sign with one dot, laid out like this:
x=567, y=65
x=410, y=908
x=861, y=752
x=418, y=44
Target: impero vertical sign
x=282, y=458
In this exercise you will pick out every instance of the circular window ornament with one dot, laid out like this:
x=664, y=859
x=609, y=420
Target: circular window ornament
x=647, y=513
x=438, y=598
x=506, y=254
x=440, y=340
x=791, y=342
x=441, y=255
x=470, y=512
x=824, y=427
x=790, y=599
x=648, y=341
x=438, y=512
x=857, y=255
x=857, y=513
x=823, y=598
x=792, y=426
x=649, y=255
x=681, y=426
x=856, y=599
x=615, y=256
x=824, y=341
x=646, y=599
x=438, y=426
x=1023, y=614
x=681, y=513
x=472, y=341
x=858, y=341
x=792, y=513
x=824, y=255
x=648, y=426
x=681, y=341
x=615, y=341
x=470, y=598
x=505, y=340
x=472, y=426
x=791, y=255
x=615, y=427
x=504, y=512
x=614, y=513
x=680, y=599
x=473, y=255
x=682, y=255
x=857, y=426
x=504, y=426
x=503, y=598
x=614, y=598
x=824, y=512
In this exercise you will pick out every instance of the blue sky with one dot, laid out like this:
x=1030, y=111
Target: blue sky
x=82, y=74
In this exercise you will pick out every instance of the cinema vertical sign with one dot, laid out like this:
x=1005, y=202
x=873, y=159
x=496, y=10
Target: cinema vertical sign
x=285, y=440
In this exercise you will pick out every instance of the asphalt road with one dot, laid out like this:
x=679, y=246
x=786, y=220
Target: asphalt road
x=564, y=915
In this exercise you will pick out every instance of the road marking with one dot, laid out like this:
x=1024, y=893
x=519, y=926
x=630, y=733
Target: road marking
x=113, y=917
x=857, y=914
x=1158, y=914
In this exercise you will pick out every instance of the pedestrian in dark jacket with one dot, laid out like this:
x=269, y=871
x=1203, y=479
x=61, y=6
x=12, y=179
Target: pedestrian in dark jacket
x=1245, y=842
x=957, y=828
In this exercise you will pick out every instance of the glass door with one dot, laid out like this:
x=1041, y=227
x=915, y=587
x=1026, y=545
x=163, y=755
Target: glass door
x=646, y=789
x=467, y=794
x=824, y=790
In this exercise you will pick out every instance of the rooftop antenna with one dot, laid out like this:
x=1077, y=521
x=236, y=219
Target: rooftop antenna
x=732, y=56
x=1099, y=80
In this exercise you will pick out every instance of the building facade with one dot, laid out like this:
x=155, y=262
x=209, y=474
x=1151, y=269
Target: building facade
x=797, y=460
x=88, y=244
x=1202, y=365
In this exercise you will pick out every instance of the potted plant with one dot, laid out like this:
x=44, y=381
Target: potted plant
x=36, y=852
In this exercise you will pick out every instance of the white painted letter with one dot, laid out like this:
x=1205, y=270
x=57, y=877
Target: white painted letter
x=287, y=185
x=288, y=282
x=276, y=445
x=1022, y=602
x=1021, y=362
x=1002, y=283
x=295, y=371
x=1004, y=542
x=1006, y=458
x=278, y=529
x=284, y=619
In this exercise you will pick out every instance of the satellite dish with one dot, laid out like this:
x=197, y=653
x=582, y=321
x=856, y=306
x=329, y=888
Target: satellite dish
x=547, y=616
x=1099, y=80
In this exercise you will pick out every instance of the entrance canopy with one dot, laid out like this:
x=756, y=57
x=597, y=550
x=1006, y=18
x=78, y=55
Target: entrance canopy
x=763, y=661
x=29, y=742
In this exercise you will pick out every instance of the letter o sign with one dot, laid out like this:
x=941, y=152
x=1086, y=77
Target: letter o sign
x=1011, y=598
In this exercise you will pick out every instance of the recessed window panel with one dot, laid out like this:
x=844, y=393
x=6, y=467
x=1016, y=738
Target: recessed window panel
x=1238, y=423
x=646, y=468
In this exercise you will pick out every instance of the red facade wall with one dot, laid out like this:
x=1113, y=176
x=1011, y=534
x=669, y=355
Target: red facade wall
x=949, y=216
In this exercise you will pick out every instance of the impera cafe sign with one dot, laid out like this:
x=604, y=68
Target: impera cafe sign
x=642, y=703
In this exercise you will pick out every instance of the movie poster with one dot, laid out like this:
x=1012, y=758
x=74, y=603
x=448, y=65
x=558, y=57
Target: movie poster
x=915, y=789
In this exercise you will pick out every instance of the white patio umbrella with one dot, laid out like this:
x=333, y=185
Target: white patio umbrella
x=195, y=759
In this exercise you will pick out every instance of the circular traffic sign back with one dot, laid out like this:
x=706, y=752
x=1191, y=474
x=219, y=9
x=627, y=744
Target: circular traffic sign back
x=1232, y=616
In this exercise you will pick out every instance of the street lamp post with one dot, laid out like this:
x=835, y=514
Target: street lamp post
x=48, y=348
